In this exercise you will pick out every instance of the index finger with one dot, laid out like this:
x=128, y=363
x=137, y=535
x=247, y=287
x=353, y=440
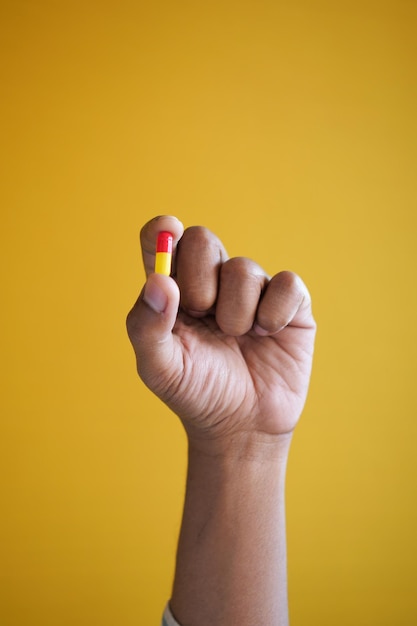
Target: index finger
x=149, y=234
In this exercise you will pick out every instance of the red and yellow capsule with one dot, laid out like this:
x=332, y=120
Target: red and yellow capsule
x=163, y=255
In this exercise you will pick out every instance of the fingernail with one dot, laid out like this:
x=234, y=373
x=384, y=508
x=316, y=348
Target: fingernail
x=260, y=331
x=155, y=297
x=264, y=333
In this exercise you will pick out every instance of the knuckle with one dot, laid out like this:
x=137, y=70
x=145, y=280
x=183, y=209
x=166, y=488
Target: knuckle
x=287, y=279
x=240, y=268
x=197, y=268
x=197, y=235
x=241, y=285
x=281, y=301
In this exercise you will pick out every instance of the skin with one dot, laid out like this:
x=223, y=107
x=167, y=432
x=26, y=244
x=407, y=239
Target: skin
x=229, y=349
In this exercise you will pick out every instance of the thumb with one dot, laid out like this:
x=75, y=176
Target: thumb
x=149, y=326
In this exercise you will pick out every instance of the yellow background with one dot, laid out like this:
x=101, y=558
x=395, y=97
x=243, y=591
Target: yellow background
x=289, y=128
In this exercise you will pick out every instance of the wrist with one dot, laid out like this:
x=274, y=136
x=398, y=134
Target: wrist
x=244, y=447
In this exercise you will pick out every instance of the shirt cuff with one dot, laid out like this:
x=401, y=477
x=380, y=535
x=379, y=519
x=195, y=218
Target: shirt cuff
x=167, y=619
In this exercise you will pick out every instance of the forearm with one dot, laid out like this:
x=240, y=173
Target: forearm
x=231, y=561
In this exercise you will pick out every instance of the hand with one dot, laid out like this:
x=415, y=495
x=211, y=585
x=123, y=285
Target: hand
x=227, y=348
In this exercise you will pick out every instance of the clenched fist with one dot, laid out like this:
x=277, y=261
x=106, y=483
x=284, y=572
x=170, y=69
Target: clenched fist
x=225, y=346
